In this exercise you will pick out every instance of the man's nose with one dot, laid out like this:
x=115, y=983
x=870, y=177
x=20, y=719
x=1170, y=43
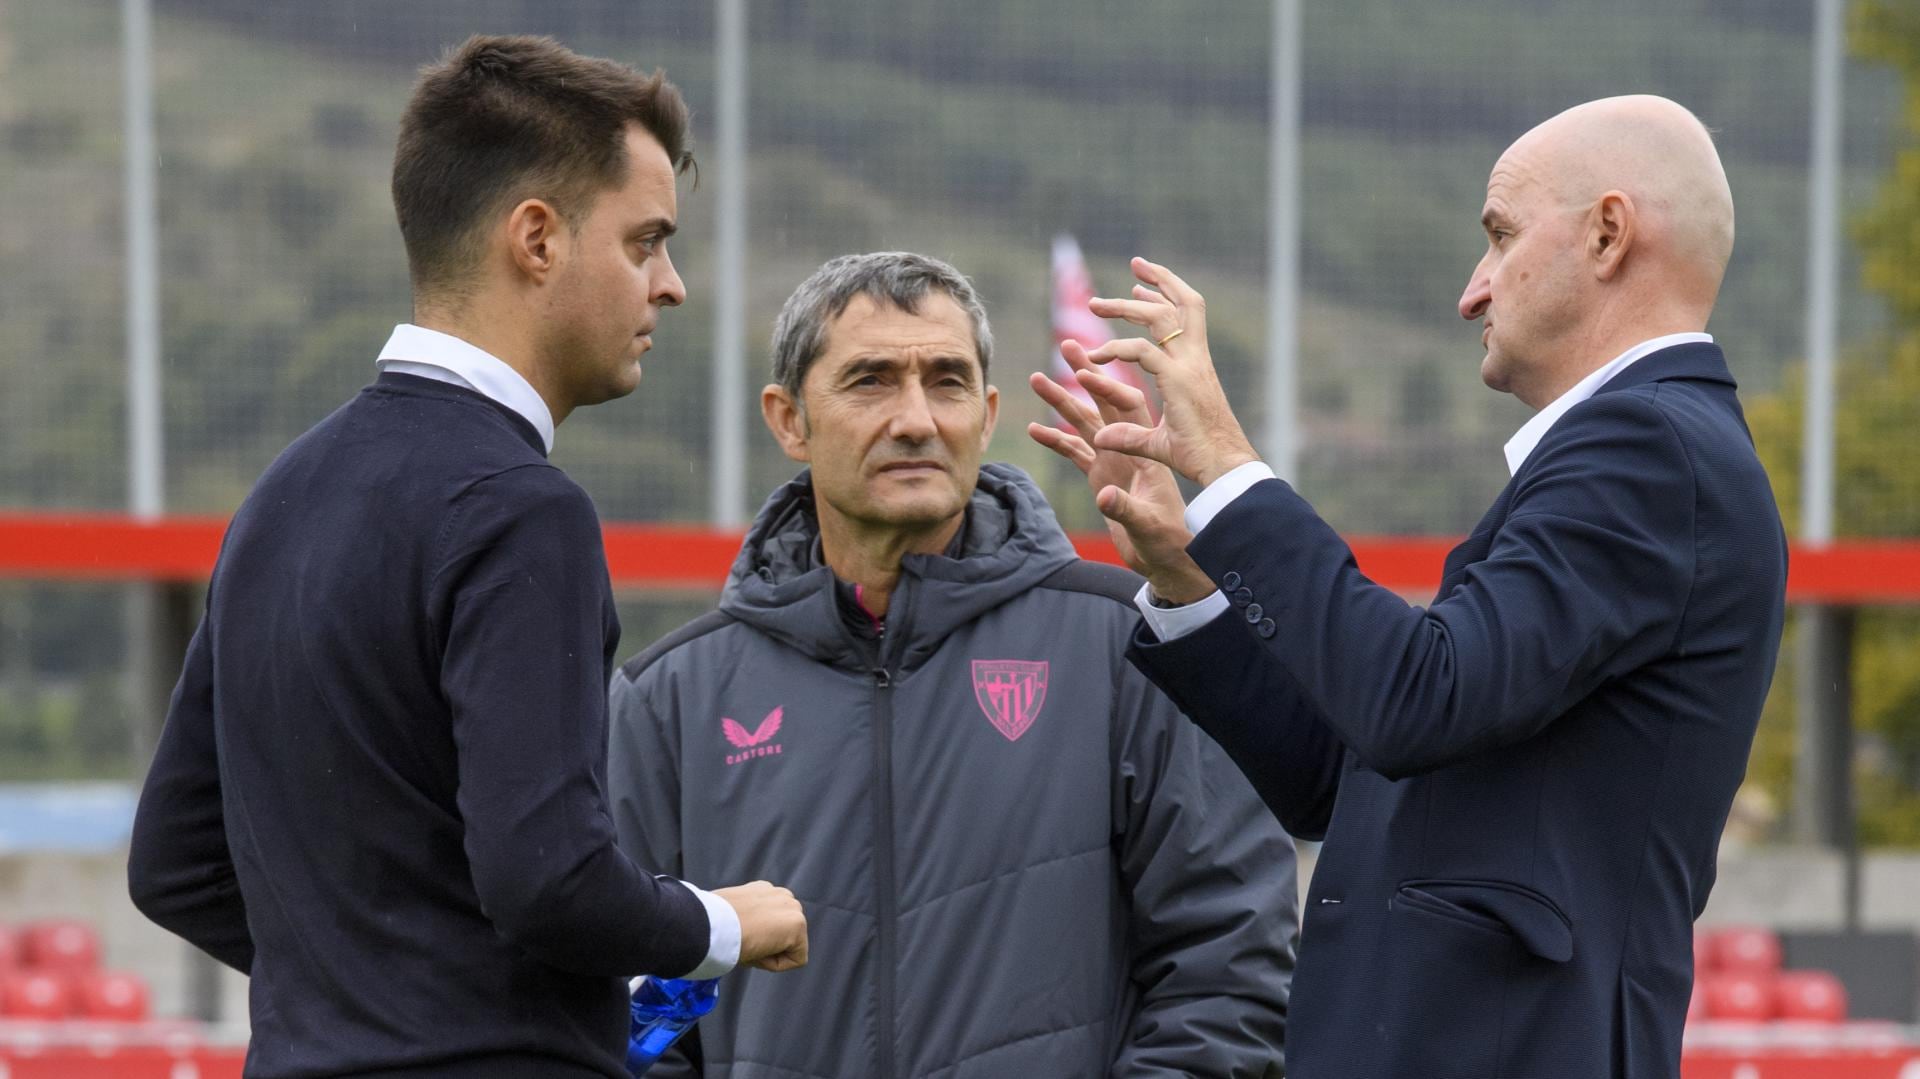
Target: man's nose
x=669, y=290
x=913, y=420
x=1479, y=295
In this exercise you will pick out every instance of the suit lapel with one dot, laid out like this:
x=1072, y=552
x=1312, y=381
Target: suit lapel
x=1690, y=361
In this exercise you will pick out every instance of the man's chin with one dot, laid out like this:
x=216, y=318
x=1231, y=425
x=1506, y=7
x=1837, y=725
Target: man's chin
x=1494, y=373
x=609, y=391
x=625, y=382
x=917, y=513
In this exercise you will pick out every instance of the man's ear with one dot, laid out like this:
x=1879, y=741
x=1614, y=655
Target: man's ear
x=536, y=239
x=1610, y=233
x=993, y=415
x=787, y=419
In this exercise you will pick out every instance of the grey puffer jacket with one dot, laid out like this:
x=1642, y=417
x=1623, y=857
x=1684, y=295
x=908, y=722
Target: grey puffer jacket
x=1017, y=859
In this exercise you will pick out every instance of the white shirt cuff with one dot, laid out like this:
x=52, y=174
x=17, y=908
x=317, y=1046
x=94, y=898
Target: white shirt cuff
x=1172, y=623
x=1208, y=503
x=723, y=937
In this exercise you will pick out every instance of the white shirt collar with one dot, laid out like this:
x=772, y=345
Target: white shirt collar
x=416, y=350
x=1521, y=445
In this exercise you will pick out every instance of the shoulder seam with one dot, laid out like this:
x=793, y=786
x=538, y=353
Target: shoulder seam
x=1116, y=583
x=711, y=622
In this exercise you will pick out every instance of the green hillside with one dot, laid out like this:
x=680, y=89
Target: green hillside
x=973, y=133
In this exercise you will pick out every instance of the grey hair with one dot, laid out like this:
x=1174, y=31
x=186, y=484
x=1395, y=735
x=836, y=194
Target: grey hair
x=900, y=278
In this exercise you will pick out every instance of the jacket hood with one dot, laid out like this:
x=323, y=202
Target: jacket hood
x=782, y=586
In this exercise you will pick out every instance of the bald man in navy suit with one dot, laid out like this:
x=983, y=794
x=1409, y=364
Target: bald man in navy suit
x=1521, y=786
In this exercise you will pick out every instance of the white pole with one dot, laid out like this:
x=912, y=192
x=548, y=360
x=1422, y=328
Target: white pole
x=1823, y=259
x=728, y=481
x=145, y=461
x=1823, y=767
x=151, y=650
x=1282, y=440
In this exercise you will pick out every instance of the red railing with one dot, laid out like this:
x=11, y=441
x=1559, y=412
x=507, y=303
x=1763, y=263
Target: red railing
x=111, y=547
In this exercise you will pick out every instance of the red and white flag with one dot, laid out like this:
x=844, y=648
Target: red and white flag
x=1072, y=289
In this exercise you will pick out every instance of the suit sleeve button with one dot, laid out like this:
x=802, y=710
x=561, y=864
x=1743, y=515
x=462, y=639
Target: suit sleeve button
x=1254, y=613
x=1230, y=582
x=1242, y=596
x=1265, y=628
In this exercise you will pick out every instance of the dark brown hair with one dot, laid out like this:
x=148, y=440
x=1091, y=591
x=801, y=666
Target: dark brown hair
x=502, y=119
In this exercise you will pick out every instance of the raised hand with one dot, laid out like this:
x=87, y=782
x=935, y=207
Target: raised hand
x=1197, y=435
x=1138, y=497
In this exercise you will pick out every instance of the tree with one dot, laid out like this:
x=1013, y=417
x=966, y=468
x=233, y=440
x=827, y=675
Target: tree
x=1876, y=462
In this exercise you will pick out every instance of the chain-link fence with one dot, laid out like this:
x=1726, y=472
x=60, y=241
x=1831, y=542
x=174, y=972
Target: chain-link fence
x=973, y=132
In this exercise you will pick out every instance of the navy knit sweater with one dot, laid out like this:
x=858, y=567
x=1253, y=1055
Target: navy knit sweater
x=381, y=789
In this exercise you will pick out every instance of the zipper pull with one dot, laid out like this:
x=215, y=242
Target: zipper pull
x=881, y=678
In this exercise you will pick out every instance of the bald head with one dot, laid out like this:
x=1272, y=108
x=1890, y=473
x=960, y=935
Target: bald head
x=1608, y=225
x=1656, y=153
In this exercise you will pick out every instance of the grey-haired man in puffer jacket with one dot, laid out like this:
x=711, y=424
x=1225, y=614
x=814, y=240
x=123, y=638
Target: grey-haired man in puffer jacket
x=912, y=706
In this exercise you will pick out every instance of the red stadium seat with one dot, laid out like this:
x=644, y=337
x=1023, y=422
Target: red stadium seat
x=1702, y=955
x=34, y=994
x=1740, y=998
x=9, y=950
x=60, y=945
x=1814, y=996
x=1697, y=1002
x=111, y=996
x=1746, y=950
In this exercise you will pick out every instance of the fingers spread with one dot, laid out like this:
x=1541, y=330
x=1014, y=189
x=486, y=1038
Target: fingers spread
x=1168, y=282
x=1159, y=319
x=1117, y=400
x=1135, y=349
x=1067, y=403
x=1075, y=450
x=1128, y=438
x=1075, y=354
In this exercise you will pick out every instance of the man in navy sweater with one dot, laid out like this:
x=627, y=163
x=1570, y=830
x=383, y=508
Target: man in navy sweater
x=381, y=789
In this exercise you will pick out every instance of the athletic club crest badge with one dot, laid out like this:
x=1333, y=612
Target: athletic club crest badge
x=1010, y=692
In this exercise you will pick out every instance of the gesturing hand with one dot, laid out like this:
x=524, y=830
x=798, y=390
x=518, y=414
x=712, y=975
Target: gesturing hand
x=1197, y=435
x=1138, y=497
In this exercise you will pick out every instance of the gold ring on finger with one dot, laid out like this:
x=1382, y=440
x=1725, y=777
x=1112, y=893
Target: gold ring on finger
x=1162, y=343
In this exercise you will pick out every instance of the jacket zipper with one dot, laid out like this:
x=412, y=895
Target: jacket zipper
x=886, y=902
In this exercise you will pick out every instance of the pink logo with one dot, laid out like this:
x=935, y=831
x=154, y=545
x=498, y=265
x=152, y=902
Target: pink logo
x=1010, y=692
x=752, y=744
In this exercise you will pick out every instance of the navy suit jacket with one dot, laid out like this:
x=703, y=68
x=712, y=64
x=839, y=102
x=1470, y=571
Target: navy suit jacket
x=1522, y=786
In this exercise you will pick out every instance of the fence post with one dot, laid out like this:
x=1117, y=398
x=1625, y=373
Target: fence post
x=728, y=461
x=1823, y=797
x=1281, y=441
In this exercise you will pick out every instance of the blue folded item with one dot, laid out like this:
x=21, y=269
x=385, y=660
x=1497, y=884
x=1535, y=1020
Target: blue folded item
x=664, y=1009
